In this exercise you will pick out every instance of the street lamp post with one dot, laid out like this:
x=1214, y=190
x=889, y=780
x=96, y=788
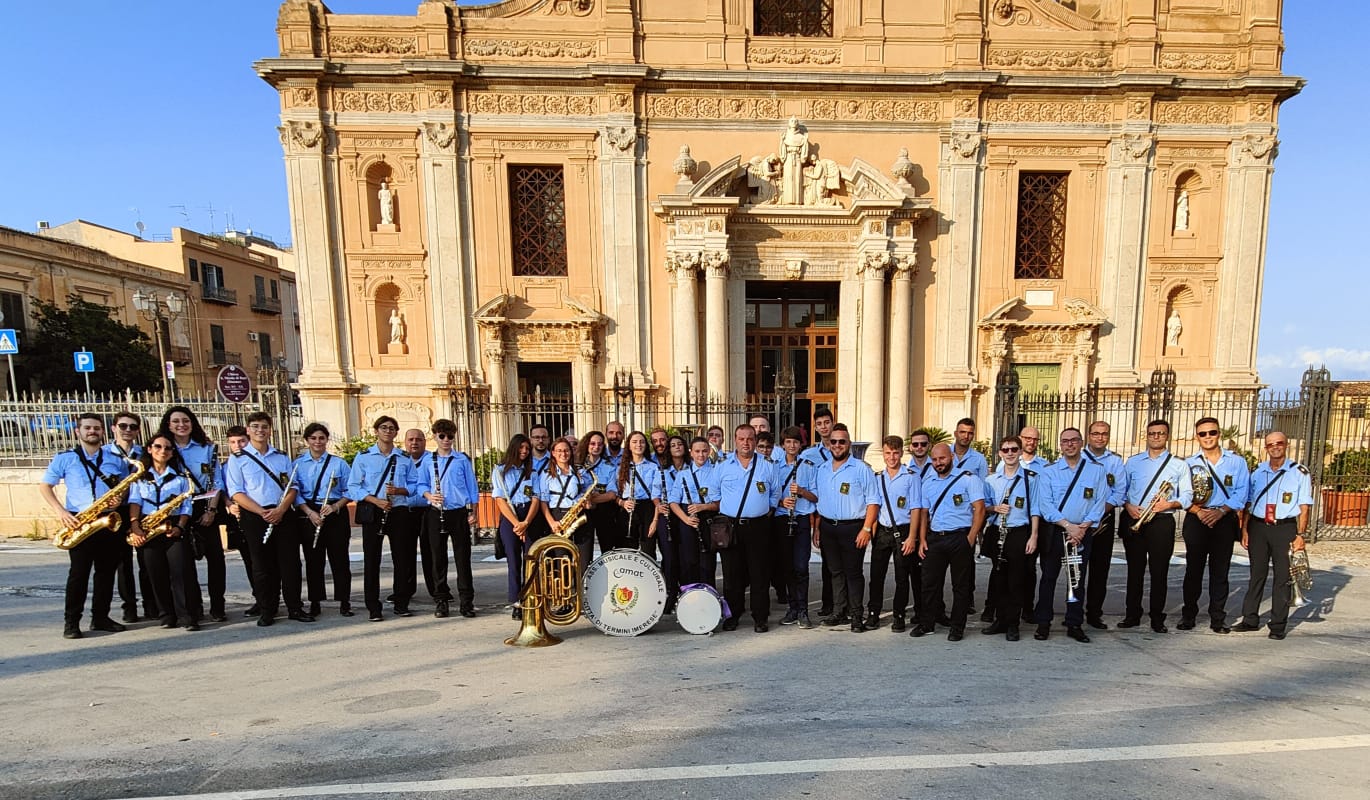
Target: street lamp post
x=156, y=309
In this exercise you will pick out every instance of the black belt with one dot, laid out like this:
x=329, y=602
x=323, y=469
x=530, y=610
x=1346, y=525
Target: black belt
x=962, y=531
x=1284, y=521
x=831, y=521
x=745, y=520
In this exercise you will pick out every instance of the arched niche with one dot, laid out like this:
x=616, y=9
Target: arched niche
x=378, y=173
x=1181, y=324
x=1187, y=197
x=391, y=320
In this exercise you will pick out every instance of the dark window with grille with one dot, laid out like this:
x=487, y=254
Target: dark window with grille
x=1041, y=250
x=537, y=210
x=793, y=17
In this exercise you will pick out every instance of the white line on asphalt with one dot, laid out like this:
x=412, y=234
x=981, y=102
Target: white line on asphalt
x=1030, y=758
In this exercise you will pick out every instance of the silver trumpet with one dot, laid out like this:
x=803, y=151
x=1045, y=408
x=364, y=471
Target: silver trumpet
x=1073, y=561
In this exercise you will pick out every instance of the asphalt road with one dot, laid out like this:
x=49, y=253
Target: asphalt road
x=422, y=707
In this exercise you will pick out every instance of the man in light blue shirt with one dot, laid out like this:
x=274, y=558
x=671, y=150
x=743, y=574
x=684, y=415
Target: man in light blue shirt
x=963, y=455
x=1152, y=544
x=956, y=514
x=1212, y=528
x=1274, y=524
x=819, y=455
x=900, y=516
x=742, y=484
x=260, y=482
x=847, y=510
x=1014, y=507
x=380, y=478
x=1073, y=502
x=447, y=481
x=1101, y=548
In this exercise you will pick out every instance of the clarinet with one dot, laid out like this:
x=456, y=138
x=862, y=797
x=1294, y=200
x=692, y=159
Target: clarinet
x=442, y=507
x=1002, y=559
x=327, y=493
x=385, y=515
x=285, y=487
x=632, y=486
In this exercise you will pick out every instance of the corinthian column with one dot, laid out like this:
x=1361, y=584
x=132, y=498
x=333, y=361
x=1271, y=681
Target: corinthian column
x=870, y=412
x=901, y=344
x=684, y=314
x=716, y=323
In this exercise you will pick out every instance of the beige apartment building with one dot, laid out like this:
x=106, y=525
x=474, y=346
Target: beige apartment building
x=240, y=302
x=891, y=202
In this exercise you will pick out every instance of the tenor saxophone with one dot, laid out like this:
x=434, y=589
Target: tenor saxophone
x=159, y=522
x=1163, y=491
x=101, y=515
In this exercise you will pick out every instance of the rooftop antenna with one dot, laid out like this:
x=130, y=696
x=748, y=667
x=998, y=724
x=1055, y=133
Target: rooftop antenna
x=185, y=215
x=210, y=208
x=138, y=216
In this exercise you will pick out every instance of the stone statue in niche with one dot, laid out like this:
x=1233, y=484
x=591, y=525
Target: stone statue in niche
x=387, y=202
x=1173, y=328
x=794, y=157
x=396, y=345
x=1182, y=211
x=795, y=176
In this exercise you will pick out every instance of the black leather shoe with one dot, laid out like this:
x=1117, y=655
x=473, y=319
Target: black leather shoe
x=299, y=616
x=1011, y=634
x=1219, y=628
x=194, y=626
x=1129, y=623
x=254, y=611
x=1097, y=624
x=944, y=620
x=130, y=617
x=168, y=622
x=441, y=611
x=265, y=621
x=1185, y=625
x=405, y=612
x=988, y=616
x=897, y=624
x=995, y=628
x=1159, y=627
x=919, y=630
x=730, y=624
x=468, y=612
x=108, y=625
x=1078, y=634
x=857, y=626
x=345, y=610
x=314, y=609
x=1276, y=635
x=1245, y=627
x=375, y=616
x=873, y=620
x=956, y=635
x=218, y=617
x=835, y=620
x=825, y=611
x=1043, y=633
x=71, y=631
x=760, y=627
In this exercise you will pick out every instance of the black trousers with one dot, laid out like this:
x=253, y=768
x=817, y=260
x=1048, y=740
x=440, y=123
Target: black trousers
x=827, y=598
x=419, y=520
x=748, y=564
x=781, y=556
x=101, y=552
x=1100, y=560
x=332, y=547
x=211, y=546
x=887, y=546
x=948, y=550
x=633, y=528
x=276, y=562
x=845, y=563
x=1148, y=550
x=1009, y=581
x=1051, y=550
x=132, y=579
x=796, y=548
x=171, y=563
x=1210, y=548
x=452, y=525
x=666, y=535
x=698, y=563
x=604, y=518
x=1267, y=545
x=236, y=541
x=399, y=530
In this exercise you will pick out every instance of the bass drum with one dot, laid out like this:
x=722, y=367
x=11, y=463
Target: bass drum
x=700, y=608
x=625, y=593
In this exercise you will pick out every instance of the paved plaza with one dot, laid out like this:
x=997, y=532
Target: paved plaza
x=422, y=707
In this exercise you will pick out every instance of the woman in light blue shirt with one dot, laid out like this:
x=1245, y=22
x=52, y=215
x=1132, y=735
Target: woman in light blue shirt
x=168, y=555
x=514, y=487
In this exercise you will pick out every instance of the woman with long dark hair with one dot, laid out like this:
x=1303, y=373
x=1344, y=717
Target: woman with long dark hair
x=668, y=530
x=639, y=486
x=561, y=486
x=197, y=456
x=167, y=556
x=592, y=456
x=514, y=487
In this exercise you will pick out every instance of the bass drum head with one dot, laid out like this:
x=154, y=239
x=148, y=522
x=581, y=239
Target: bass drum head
x=699, y=610
x=625, y=593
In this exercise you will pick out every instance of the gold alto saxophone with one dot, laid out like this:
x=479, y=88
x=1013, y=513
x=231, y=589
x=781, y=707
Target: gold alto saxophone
x=576, y=514
x=159, y=522
x=1163, y=491
x=101, y=515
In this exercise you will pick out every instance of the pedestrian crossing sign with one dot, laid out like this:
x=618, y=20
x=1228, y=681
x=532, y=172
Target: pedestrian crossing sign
x=9, y=342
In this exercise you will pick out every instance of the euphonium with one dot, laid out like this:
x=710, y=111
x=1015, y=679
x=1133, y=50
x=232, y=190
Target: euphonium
x=1300, y=575
x=158, y=522
x=1163, y=491
x=101, y=514
x=551, y=590
x=1203, y=484
x=576, y=515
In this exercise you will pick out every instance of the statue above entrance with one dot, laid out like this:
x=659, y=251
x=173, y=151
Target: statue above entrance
x=794, y=175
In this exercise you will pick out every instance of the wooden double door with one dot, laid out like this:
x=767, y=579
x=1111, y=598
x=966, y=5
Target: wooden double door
x=792, y=325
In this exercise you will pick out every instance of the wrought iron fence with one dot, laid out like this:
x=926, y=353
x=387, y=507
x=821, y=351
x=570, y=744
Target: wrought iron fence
x=1326, y=423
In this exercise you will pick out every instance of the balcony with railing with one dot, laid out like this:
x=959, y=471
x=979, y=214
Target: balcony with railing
x=218, y=294
x=179, y=355
x=219, y=358
x=266, y=305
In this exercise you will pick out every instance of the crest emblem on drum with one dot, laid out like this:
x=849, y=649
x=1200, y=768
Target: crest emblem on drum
x=624, y=598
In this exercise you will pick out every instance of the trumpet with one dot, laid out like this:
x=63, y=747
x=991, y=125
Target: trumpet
x=1148, y=511
x=1073, y=562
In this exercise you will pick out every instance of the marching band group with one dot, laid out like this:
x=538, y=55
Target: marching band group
x=761, y=508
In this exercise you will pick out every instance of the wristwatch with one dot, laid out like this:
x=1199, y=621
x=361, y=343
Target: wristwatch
x=866, y=530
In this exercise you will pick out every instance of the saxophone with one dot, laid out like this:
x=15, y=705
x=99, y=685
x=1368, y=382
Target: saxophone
x=576, y=514
x=1162, y=492
x=158, y=522
x=101, y=514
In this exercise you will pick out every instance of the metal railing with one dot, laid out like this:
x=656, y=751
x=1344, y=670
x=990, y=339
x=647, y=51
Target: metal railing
x=267, y=305
x=218, y=294
x=219, y=358
x=180, y=355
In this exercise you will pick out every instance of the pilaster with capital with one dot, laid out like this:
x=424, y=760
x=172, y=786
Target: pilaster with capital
x=1128, y=178
x=870, y=394
x=715, y=263
x=961, y=202
x=621, y=235
x=1250, y=166
x=450, y=310
x=900, y=389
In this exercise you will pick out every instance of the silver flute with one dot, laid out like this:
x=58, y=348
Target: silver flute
x=318, y=529
x=285, y=487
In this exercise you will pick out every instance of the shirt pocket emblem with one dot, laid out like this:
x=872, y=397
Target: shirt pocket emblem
x=1227, y=480
x=1110, y=480
x=1017, y=502
x=761, y=486
x=957, y=499
x=527, y=491
x=844, y=488
x=902, y=502
x=1089, y=492
x=704, y=491
x=1287, y=498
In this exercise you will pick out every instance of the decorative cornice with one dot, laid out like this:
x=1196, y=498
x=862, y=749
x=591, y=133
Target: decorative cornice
x=1197, y=61
x=1055, y=111
x=531, y=48
x=376, y=102
x=579, y=105
x=669, y=106
x=339, y=44
x=794, y=55
x=880, y=110
x=1050, y=59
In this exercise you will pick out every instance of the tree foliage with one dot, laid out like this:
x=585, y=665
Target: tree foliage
x=125, y=357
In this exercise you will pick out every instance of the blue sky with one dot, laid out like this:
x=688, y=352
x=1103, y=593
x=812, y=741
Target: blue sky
x=121, y=112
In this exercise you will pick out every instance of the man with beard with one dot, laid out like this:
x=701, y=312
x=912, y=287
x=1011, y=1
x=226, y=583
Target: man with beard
x=415, y=446
x=613, y=442
x=956, y=513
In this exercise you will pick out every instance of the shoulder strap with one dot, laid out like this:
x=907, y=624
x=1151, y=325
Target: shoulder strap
x=933, y=511
x=1218, y=482
x=273, y=476
x=884, y=489
x=1078, y=472
x=694, y=476
x=319, y=479
x=1273, y=481
x=1146, y=493
x=93, y=471
x=180, y=459
x=385, y=474
x=747, y=490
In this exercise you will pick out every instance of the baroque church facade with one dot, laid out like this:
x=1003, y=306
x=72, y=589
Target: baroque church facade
x=885, y=205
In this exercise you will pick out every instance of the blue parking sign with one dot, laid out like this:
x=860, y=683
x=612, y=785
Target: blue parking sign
x=9, y=342
x=85, y=361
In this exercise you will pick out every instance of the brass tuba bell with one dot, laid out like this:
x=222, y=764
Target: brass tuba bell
x=551, y=590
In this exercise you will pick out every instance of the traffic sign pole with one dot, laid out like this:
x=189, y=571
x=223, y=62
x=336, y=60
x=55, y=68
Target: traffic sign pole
x=14, y=389
x=9, y=347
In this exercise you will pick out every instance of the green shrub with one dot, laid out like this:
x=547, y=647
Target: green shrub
x=350, y=447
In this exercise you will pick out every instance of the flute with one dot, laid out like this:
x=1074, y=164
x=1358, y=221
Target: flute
x=332, y=476
x=285, y=487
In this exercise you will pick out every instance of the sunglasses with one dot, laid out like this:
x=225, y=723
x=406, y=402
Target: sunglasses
x=445, y=436
x=918, y=444
x=158, y=447
x=839, y=441
x=1206, y=434
x=126, y=426
x=1008, y=449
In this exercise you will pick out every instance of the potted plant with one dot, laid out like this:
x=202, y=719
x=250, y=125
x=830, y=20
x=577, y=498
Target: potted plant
x=1346, y=488
x=487, y=513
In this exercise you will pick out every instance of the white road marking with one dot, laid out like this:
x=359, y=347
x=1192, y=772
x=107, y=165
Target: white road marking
x=1030, y=758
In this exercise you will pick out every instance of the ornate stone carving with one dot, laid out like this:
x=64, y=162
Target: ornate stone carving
x=1059, y=111
x=576, y=8
x=902, y=168
x=1136, y=109
x=708, y=107
x=1050, y=59
x=965, y=145
x=1193, y=113
x=794, y=55
x=793, y=175
x=525, y=48
x=303, y=96
x=589, y=351
x=790, y=234
x=1135, y=147
x=580, y=105
x=621, y=139
x=304, y=134
x=1004, y=10
x=1046, y=150
x=1207, y=62
x=684, y=167
x=377, y=102
x=373, y=45
x=535, y=144
x=794, y=269
x=1259, y=146
x=906, y=266
x=440, y=98
x=884, y=110
x=683, y=262
x=494, y=349
x=716, y=263
x=965, y=107
x=1195, y=152
x=1260, y=112
x=440, y=134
